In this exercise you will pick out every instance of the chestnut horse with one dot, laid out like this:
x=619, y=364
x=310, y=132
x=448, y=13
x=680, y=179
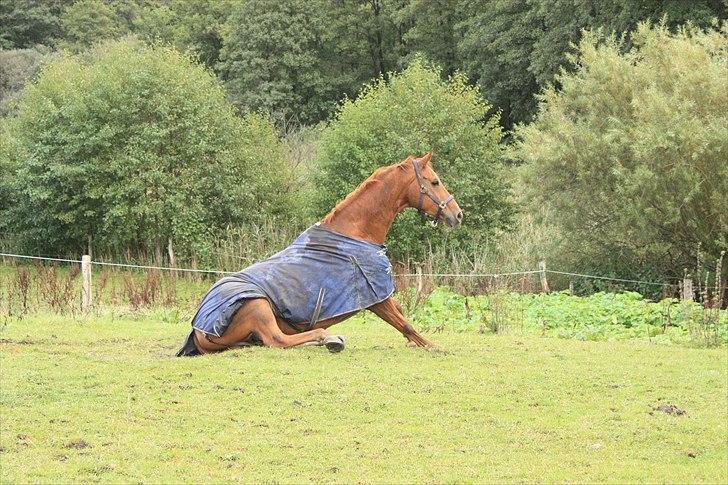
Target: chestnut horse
x=366, y=214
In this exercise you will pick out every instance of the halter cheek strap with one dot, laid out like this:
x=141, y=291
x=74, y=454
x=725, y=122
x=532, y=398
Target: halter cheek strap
x=441, y=204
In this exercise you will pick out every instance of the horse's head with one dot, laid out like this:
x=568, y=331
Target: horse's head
x=428, y=194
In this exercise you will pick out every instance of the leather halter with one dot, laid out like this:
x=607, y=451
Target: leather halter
x=441, y=204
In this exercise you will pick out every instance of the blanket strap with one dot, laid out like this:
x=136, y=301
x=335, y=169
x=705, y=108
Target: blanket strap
x=317, y=310
x=300, y=327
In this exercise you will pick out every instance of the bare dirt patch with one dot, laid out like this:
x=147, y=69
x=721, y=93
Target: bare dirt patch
x=670, y=409
x=78, y=445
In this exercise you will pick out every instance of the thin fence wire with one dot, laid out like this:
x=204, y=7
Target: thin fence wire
x=119, y=265
x=43, y=258
x=475, y=275
x=451, y=275
x=167, y=268
x=608, y=278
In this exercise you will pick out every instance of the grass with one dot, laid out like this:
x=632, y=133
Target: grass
x=100, y=398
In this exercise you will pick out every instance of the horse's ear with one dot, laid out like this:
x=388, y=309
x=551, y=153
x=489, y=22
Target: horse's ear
x=425, y=159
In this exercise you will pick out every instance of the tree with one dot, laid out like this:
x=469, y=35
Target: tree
x=370, y=33
x=194, y=25
x=629, y=157
x=515, y=48
x=298, y=58
x=430, y=29
x=89, y=21
x=198, y=27
x=27, y=23
x=375, y=37
x=17, y=67
x=272, y=59
x=7, y=151
x=132, y=145
x=496, y=48
x=412, y=113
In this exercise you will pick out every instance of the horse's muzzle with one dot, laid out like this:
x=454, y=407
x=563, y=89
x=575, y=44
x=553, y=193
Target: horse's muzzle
x=453, y=219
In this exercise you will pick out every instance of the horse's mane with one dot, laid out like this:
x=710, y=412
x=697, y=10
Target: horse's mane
x=374, y=179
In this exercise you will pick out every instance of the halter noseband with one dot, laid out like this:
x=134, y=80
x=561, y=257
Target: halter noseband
x=441, y=204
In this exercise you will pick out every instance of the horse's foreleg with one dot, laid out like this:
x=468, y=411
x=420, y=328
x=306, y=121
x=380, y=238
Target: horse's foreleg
x=391, y=312
x=271, y=336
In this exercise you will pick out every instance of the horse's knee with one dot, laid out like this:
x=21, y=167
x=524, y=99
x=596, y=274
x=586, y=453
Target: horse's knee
x=270, y=338
x=408, y=329
x=278, y=340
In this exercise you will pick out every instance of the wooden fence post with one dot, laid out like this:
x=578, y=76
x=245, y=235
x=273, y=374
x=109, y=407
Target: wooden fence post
x=419, y=280
x=86, y=283
x=544, y=281
x=194, y=266
x=172, y=259
x=687, y=290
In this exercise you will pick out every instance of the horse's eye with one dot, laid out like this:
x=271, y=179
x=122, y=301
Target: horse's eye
x=435, y=182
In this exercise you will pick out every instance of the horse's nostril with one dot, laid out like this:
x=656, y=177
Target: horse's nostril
x=459, y=216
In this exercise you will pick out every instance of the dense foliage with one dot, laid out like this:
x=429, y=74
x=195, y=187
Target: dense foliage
x=17, y=66
x=7, y=164
x=299, y=57
x=630, y=155
x=415, y=112
x=275, y=59
x=89, y=21
x=26, y=23
x=194, y=25
x=514, y=48
x=131, y=146
x=601, y=316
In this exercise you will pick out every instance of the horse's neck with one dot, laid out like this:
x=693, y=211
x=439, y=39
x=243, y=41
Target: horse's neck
x=368, y=212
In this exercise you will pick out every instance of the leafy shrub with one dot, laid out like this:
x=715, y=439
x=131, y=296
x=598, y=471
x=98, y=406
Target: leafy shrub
x=132, y=145
x=412, y=113
x=601, y=316
x=629, y=155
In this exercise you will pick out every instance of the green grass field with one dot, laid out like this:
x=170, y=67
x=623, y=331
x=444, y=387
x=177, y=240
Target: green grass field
x=102, y=399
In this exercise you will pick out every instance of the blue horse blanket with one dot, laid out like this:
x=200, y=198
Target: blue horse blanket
x=322, y=274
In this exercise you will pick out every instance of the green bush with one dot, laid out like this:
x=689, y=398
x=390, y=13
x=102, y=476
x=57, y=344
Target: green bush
x=628, y=157
x=601, y=316
x=412, y=113
x=131, y=145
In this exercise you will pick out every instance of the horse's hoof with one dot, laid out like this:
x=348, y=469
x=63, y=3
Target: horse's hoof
x=335, y=343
